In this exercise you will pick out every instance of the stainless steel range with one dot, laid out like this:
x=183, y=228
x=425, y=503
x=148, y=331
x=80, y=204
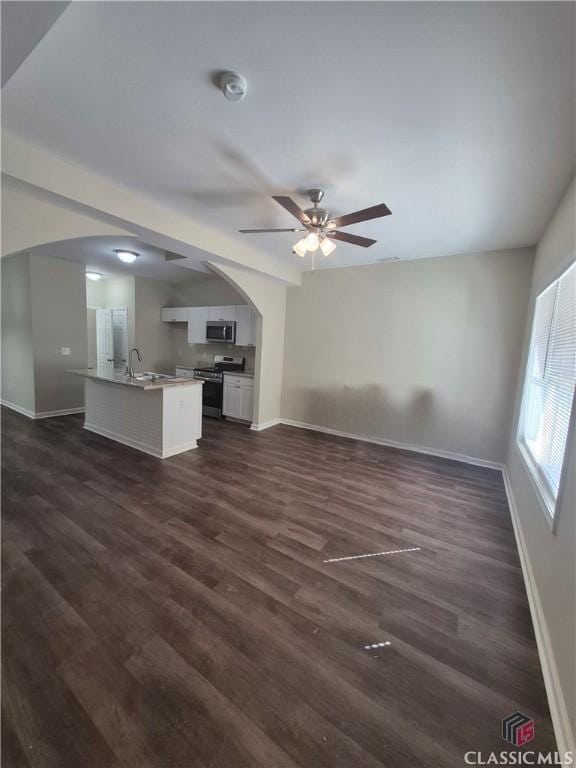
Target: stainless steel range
x=213, y=378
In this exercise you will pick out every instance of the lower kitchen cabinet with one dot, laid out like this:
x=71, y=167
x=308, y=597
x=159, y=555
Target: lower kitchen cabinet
x=238, y=397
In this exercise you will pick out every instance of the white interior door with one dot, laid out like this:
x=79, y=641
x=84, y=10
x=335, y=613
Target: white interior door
x=104, y=340
x=120, y=337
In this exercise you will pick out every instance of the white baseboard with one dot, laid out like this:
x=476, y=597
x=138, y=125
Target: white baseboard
x=144, y=447
x=393, y=444
x=40, y=414
x=18, y=409
x=179, y=449
x=565, y=737
x=61, y=412
x=265, y=425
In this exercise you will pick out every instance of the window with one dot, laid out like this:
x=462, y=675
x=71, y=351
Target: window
x=549, y=386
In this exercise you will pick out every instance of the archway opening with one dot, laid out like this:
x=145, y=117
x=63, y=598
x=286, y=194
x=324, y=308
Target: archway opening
x=135, y=298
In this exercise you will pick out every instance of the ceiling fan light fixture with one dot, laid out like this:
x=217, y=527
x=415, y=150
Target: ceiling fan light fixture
x=300, y=247
x=321, y=229
x=327, y=246
x=312, y=241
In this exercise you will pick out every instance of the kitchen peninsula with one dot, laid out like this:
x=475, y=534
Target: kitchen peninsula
x=154, y=413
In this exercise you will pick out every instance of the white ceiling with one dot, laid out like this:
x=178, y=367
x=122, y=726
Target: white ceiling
x=23, y=26
x=459, y=116
x=97, y=253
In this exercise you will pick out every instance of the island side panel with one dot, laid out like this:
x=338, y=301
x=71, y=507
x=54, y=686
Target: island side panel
x=129, y=415
x=182, y=418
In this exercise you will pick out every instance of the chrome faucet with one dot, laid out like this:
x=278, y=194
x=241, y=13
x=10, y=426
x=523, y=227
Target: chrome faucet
x=130, y=369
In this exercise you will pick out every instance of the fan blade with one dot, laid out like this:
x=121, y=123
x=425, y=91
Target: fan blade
x=291, y=207
x=375, y=212
x=252, y=231
x=346, y=237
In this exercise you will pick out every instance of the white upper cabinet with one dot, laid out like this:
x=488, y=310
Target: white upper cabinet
x=222, y=313
x=197, y=317
x=245, y=326
x=175, y=314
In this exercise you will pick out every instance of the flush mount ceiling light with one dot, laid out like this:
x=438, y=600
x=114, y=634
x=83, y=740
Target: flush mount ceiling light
x=126, y=256
x=321, y=227
x=94, y=275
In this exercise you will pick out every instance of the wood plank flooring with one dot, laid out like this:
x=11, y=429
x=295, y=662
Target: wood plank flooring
x=181, y=612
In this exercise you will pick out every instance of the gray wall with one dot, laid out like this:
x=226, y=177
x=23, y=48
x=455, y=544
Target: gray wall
x=17, y=350
x=152, y=336
x=192, y=354
x=43, y=310
x=205, y=292
x=92, y=349
x=422, y=352
x=551, y=555
x=58, y=298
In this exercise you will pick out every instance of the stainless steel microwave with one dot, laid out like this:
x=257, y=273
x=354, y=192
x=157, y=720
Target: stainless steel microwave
x=222, y=331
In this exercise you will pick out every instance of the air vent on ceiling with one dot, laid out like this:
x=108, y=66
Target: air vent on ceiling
x=388, y=258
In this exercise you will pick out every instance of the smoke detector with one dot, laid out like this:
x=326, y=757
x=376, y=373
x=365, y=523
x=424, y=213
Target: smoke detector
x=233, y=86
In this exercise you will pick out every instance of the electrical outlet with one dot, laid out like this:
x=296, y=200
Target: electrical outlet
x=65, y=351
x=180, y=353
x=182, y=404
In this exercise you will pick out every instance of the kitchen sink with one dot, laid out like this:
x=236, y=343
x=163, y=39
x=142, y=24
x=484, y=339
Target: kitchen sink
x=151, y=376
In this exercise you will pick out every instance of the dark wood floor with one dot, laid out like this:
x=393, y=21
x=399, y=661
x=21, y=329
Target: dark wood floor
x=180, y=612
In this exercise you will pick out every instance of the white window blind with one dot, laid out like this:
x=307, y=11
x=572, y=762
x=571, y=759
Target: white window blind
x=550, y=381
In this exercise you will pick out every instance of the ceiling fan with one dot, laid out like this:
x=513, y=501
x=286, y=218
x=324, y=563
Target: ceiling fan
x=321, y=227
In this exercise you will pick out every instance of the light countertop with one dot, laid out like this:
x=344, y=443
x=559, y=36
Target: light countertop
x=246, y=374
x=120, y=378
